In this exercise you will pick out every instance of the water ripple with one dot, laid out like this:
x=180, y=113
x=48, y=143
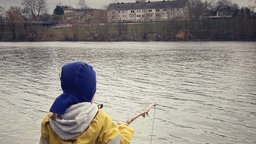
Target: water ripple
x=205, y=91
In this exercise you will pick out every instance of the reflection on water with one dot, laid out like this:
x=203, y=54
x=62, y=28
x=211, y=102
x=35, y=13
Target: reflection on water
x=205, y=91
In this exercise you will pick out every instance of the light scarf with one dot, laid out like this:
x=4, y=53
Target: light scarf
x=75, y=121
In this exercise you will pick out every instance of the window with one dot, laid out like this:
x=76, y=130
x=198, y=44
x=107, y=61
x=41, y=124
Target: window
x=132, y=15
x=149, y=15
x=150, y=10
x=157, y=10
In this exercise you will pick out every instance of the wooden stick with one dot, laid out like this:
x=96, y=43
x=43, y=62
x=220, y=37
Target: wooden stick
x=143, y=113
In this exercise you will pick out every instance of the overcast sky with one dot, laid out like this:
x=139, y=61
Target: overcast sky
x=91, y=3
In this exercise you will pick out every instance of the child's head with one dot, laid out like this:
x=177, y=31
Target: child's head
x=78, y=82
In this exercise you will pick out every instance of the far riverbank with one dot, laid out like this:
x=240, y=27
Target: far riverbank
x=236, y=29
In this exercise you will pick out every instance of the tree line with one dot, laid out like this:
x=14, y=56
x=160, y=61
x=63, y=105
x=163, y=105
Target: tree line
x=29, y=23
x=199, y=9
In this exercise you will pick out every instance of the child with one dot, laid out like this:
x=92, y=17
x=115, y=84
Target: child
x=74, y=118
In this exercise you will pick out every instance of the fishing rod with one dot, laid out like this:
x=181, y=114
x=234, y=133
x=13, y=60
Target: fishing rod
x=142, y=113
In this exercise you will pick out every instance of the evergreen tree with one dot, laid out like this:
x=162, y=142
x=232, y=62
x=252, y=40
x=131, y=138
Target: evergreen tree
x=58, y=10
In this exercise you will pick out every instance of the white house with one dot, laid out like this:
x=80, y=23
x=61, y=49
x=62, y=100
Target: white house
x=141, y=10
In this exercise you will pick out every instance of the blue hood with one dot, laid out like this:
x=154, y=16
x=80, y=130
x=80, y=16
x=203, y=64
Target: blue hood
x=78, y=82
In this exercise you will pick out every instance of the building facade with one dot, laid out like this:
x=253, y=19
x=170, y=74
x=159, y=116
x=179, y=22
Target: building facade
x=141, y=11
x=84, y=16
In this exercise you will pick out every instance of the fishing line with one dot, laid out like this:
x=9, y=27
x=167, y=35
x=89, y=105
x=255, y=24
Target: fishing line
x=151, y=138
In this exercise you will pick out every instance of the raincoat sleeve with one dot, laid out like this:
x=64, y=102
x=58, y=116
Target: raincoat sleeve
x=44, y=130
x=126, y=133
x=113, y=134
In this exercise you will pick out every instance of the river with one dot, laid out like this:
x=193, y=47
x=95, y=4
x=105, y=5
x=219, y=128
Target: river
x=205, y=91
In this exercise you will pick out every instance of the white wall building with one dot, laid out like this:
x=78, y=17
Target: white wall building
x=148, y=11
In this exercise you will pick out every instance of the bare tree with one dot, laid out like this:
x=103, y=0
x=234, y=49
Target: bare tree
x=15, y=21
x=252, y=5
x=14, y=14
x=82, y=4
x=2, y=19
x=105, y=7
x=2, y=12
x=34, y=8
x=210, y=4
x=196, y=9
x=221, y=4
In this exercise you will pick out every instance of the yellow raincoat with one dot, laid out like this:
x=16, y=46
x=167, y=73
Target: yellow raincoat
x=102, y=130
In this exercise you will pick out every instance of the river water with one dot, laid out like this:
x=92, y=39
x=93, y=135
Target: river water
x=205, y=91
